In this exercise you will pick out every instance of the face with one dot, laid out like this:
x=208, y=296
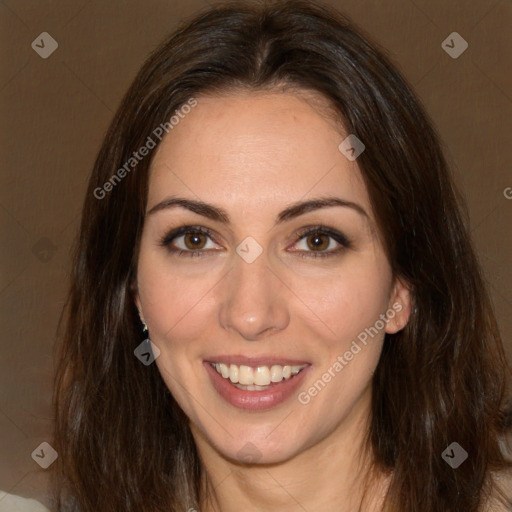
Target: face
x=285, y=295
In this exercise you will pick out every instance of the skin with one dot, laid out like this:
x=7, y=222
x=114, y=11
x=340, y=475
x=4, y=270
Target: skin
x=253, y=154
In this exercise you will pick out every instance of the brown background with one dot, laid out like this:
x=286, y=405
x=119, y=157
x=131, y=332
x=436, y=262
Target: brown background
x=56, y=110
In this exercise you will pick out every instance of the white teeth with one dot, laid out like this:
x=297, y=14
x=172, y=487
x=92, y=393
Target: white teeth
x=251, y=388
x=233, y=373
x=245, y=375
x=276, y=373
x=255, y=379
x=224, y=370
x=262, y=376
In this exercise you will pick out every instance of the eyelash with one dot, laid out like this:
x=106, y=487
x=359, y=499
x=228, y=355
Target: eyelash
x=340, y=238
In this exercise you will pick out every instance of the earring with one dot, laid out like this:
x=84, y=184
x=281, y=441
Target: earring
x=144, y=326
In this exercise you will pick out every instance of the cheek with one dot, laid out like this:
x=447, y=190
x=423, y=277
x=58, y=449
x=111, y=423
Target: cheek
x=173, y=300
x=175, y=306
x=341, y=305
x=346, y=343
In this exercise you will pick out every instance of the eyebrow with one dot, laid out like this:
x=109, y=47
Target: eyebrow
x=220, y=215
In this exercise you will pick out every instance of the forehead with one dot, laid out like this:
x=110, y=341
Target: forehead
x=248, y=149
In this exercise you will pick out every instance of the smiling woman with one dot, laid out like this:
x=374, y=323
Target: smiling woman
x=319, y=336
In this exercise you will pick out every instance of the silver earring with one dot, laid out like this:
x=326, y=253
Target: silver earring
x=144, y=326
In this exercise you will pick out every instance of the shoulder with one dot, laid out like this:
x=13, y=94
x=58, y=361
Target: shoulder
x=13, y=503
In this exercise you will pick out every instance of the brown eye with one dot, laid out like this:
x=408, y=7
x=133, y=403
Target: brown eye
x=194, y=240
x=317, y=241
x=190, y=241
x=320, y=241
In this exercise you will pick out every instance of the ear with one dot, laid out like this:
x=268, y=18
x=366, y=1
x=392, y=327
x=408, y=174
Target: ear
x=136, y=298
x=399, y=306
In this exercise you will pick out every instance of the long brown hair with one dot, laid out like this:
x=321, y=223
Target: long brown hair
x=123, y=442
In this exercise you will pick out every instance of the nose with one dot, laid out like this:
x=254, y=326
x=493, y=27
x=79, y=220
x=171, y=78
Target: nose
x=254, y=300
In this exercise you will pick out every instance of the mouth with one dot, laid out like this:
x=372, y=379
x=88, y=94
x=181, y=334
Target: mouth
x=256, y=378
x=255, y=386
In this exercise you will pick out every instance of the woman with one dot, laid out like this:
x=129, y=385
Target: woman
x=272, y=204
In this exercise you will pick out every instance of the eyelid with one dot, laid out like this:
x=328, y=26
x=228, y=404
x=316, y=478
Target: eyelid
x=320, y=228
x=342, y=240
x=183, y=230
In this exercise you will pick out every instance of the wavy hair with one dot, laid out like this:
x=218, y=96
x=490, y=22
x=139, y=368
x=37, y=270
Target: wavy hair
x=123, y=442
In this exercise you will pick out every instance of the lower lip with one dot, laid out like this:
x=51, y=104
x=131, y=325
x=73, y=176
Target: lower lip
x=255, y=400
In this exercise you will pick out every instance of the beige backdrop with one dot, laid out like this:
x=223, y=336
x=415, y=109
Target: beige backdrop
x=55, y=111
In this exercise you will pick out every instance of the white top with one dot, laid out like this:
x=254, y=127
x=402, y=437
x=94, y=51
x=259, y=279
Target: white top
x=13, y=503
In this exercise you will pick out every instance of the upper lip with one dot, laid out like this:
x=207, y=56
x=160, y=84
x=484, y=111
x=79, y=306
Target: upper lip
x=255, y=361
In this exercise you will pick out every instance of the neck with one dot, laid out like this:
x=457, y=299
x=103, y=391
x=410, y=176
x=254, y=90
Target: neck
x=331, y=475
